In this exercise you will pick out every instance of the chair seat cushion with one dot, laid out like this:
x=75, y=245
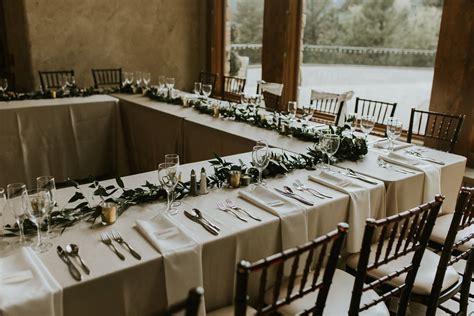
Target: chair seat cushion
x=338, y=300
x=424, y=278
x=229, y=311
x=440, y=231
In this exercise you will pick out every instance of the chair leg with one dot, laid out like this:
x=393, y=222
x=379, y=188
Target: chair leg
x=466, y=284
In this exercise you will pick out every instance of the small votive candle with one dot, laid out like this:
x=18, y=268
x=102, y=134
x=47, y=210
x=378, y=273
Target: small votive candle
x=185, y=101
x=215, y=107
x=244, y=180
x=235, y=178
x=53, y=94
x=109, y=213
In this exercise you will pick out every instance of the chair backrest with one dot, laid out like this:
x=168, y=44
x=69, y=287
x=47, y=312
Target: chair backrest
x=400, y=235
x=232, y=89
x=208, y=78
x=463, y=217
x=378, y=109
x=272, y=87
x=53, y=79
x=442, y=127
x=328, y=107
x=190, y=305
x=311, y=250
x=107, y=77
x=272, y=101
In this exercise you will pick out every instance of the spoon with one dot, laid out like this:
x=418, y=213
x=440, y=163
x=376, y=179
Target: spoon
x=199, y=215
x=73, y=250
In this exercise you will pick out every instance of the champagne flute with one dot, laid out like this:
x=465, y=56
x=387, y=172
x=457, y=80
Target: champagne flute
x=161, y=83
x=292, y=107
x=197, y=89
x=330, y=145
x=48, y=185
x=138, y=78
x=18, y=204
x=367, y=124
x=394, y=130
x=37, y=212
x=168, y=175
x=174, y=159
x=206, y=90
x=146, y=79
x=3, y=201
x=260, y=159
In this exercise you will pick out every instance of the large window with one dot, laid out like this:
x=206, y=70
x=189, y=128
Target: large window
x=380, y=49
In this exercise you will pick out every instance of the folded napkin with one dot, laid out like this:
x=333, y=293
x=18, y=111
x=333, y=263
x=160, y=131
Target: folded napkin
x=432, y=183
x=360, y=207
x=27, y=287
x=294, y=230
x=182, y=256
x=384, y=144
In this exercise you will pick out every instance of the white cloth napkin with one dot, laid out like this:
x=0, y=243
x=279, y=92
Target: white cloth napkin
x=26, y=286
x=294, y=230
x=182, y=256
x=397, y=145
x=360, y=207
x=432, y=183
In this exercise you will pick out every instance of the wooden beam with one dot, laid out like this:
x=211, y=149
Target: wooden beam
x=216, y=29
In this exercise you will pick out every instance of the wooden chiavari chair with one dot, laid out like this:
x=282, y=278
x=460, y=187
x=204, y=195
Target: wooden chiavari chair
x=53, y=79
x=190, y=305
x=399, y=250
x=453, y=237
x=328, y=107
x=208, y=78
x=233, y=88
x=440, y=127
x=272, y=101
x=107, y=77
x=272, y=87
x=379, y=110
x=288, y=289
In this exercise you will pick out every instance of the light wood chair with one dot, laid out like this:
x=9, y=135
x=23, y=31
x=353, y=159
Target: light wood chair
x=328, y=107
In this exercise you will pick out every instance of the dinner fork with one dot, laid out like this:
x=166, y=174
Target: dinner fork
x=233, y=206
x=299, y=183
x=222, y=207
x=300, y=188
x=118, y=238
x=108, y=242
x=383, y=164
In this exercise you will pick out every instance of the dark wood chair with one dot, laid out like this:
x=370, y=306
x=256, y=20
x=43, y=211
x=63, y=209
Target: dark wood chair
x=53, y=79
x=453, y=238
x=208, y=78
x=434, y=129
x=379, y=110
x=233, y=88
x=287, y=289
x=190, y=306
x=328, y=107
x=107, y=77
x=401, y=243
x=272, y=101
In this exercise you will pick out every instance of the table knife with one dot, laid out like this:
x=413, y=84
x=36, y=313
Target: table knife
x=197, y=220
x=72, y=268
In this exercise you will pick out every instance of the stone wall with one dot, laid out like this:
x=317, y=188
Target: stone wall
x=163, y=37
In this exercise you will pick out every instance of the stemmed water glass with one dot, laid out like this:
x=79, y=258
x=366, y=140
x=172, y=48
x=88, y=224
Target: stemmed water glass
x=260, y=158
x=292, y=108
x=367, y=124
x=329, y=145
x=394, y=130
x=3, y=244
x=18, y=204
x=168, y=175
x=146, y=77
x=3, y=85
x=161, y=83
x=138, y=78
x=40, y=204
x=351, y=121
x=308, y=111
x=197, y=89
x=174, y=159
x=206, y=90
x=47, y=184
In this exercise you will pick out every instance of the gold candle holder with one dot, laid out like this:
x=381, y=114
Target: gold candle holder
x=185, y=101
x=235, y=178
x=109, y=213
x=215, y=107
x=53, y=94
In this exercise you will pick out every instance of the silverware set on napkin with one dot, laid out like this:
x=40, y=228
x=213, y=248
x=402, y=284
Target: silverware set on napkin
x=352, y=174
x=288, y=192
x=417, y=154
x=108, y=240
x=230, y=207
x=72, y=251
x=196, y=216
x=390, y=166
x=298, y=185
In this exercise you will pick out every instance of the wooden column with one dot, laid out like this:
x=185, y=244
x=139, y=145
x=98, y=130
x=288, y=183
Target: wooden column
x=216, y=43
x=453, y=82
x=281, y=45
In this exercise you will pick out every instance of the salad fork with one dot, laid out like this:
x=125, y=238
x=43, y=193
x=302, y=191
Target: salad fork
x=222, y=207
x=108, y=242
x=300, y=184
x=233, y=206
x=118, y=238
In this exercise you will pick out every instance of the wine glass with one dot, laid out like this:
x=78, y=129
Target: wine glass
x=138, y=78
x=260, y=159
x=173, y=158
x=47, y=184
x=3, y=244
x=394, y=130
x=367, y=124
x=125, y=79
x=18, y=204
x=168, y=175
x=161, y=83
x=3, y=84
x=292, y=107
x=351, y=121
x=329, y=145
x=197, y=89
x=146, y=78
x=37, y=212
x=206, y=90
x=308, y=110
